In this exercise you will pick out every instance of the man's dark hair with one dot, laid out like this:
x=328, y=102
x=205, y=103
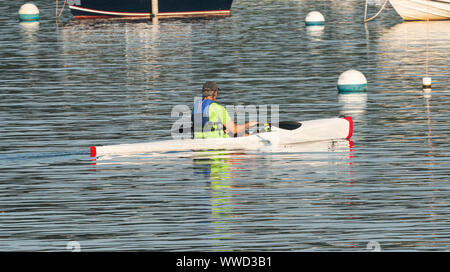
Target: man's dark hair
x=209, y=88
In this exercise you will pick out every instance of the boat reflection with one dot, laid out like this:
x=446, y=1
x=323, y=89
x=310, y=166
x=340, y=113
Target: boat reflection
x=414, y=46
x=413, y=35
x=229, y=177
x=142, y=45
x=229, y=183
x=214, y=165
x=227, y=164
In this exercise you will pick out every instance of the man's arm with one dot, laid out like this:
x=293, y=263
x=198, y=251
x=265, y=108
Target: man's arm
x=238, y=129
x=229, y=124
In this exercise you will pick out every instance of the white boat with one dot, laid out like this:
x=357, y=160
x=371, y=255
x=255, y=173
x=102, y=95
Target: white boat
x=287, y=133
x=416, y=10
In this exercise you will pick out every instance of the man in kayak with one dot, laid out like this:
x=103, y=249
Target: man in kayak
x=212, y=120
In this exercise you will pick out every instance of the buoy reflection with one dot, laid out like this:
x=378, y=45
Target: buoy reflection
x=353, y=104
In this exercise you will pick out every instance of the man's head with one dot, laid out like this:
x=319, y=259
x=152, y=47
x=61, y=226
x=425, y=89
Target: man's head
x=210, y=89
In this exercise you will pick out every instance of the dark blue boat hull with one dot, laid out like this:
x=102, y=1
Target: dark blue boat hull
x=83, y=9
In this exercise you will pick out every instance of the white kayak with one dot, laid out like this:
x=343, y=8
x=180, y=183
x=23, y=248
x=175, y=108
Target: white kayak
x=286, y=133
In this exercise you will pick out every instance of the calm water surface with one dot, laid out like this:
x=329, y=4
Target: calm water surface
x=67, y=86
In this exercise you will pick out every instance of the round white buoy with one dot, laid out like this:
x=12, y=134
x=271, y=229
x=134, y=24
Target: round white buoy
x=351, y=81
x=426, y=83
x=314, y=18
x=28, y=13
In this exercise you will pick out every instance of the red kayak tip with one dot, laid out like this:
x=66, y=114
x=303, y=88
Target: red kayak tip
x=350, y=128
x=93, y=151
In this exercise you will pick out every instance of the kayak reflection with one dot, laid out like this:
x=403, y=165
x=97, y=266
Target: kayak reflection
x=216, y=167
x=215, y=164
x=233, y=179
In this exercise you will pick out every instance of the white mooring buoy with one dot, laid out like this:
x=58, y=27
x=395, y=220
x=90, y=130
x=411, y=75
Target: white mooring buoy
x=28, y=13
x=314, y=18
x=352, y=81
x=426, y=83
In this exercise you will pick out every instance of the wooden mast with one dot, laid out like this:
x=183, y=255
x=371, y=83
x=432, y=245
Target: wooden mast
x=155, y=8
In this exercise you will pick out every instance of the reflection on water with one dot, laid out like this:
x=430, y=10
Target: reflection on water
x=353, y=104
x=215, y=167
x=226, y=172
x=412, y=48
x=29, y=30
x=66, y=87
x=427, y=97
x=315, y=32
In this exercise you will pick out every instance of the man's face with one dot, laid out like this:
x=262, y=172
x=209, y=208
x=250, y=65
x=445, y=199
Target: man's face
x=215, y=95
